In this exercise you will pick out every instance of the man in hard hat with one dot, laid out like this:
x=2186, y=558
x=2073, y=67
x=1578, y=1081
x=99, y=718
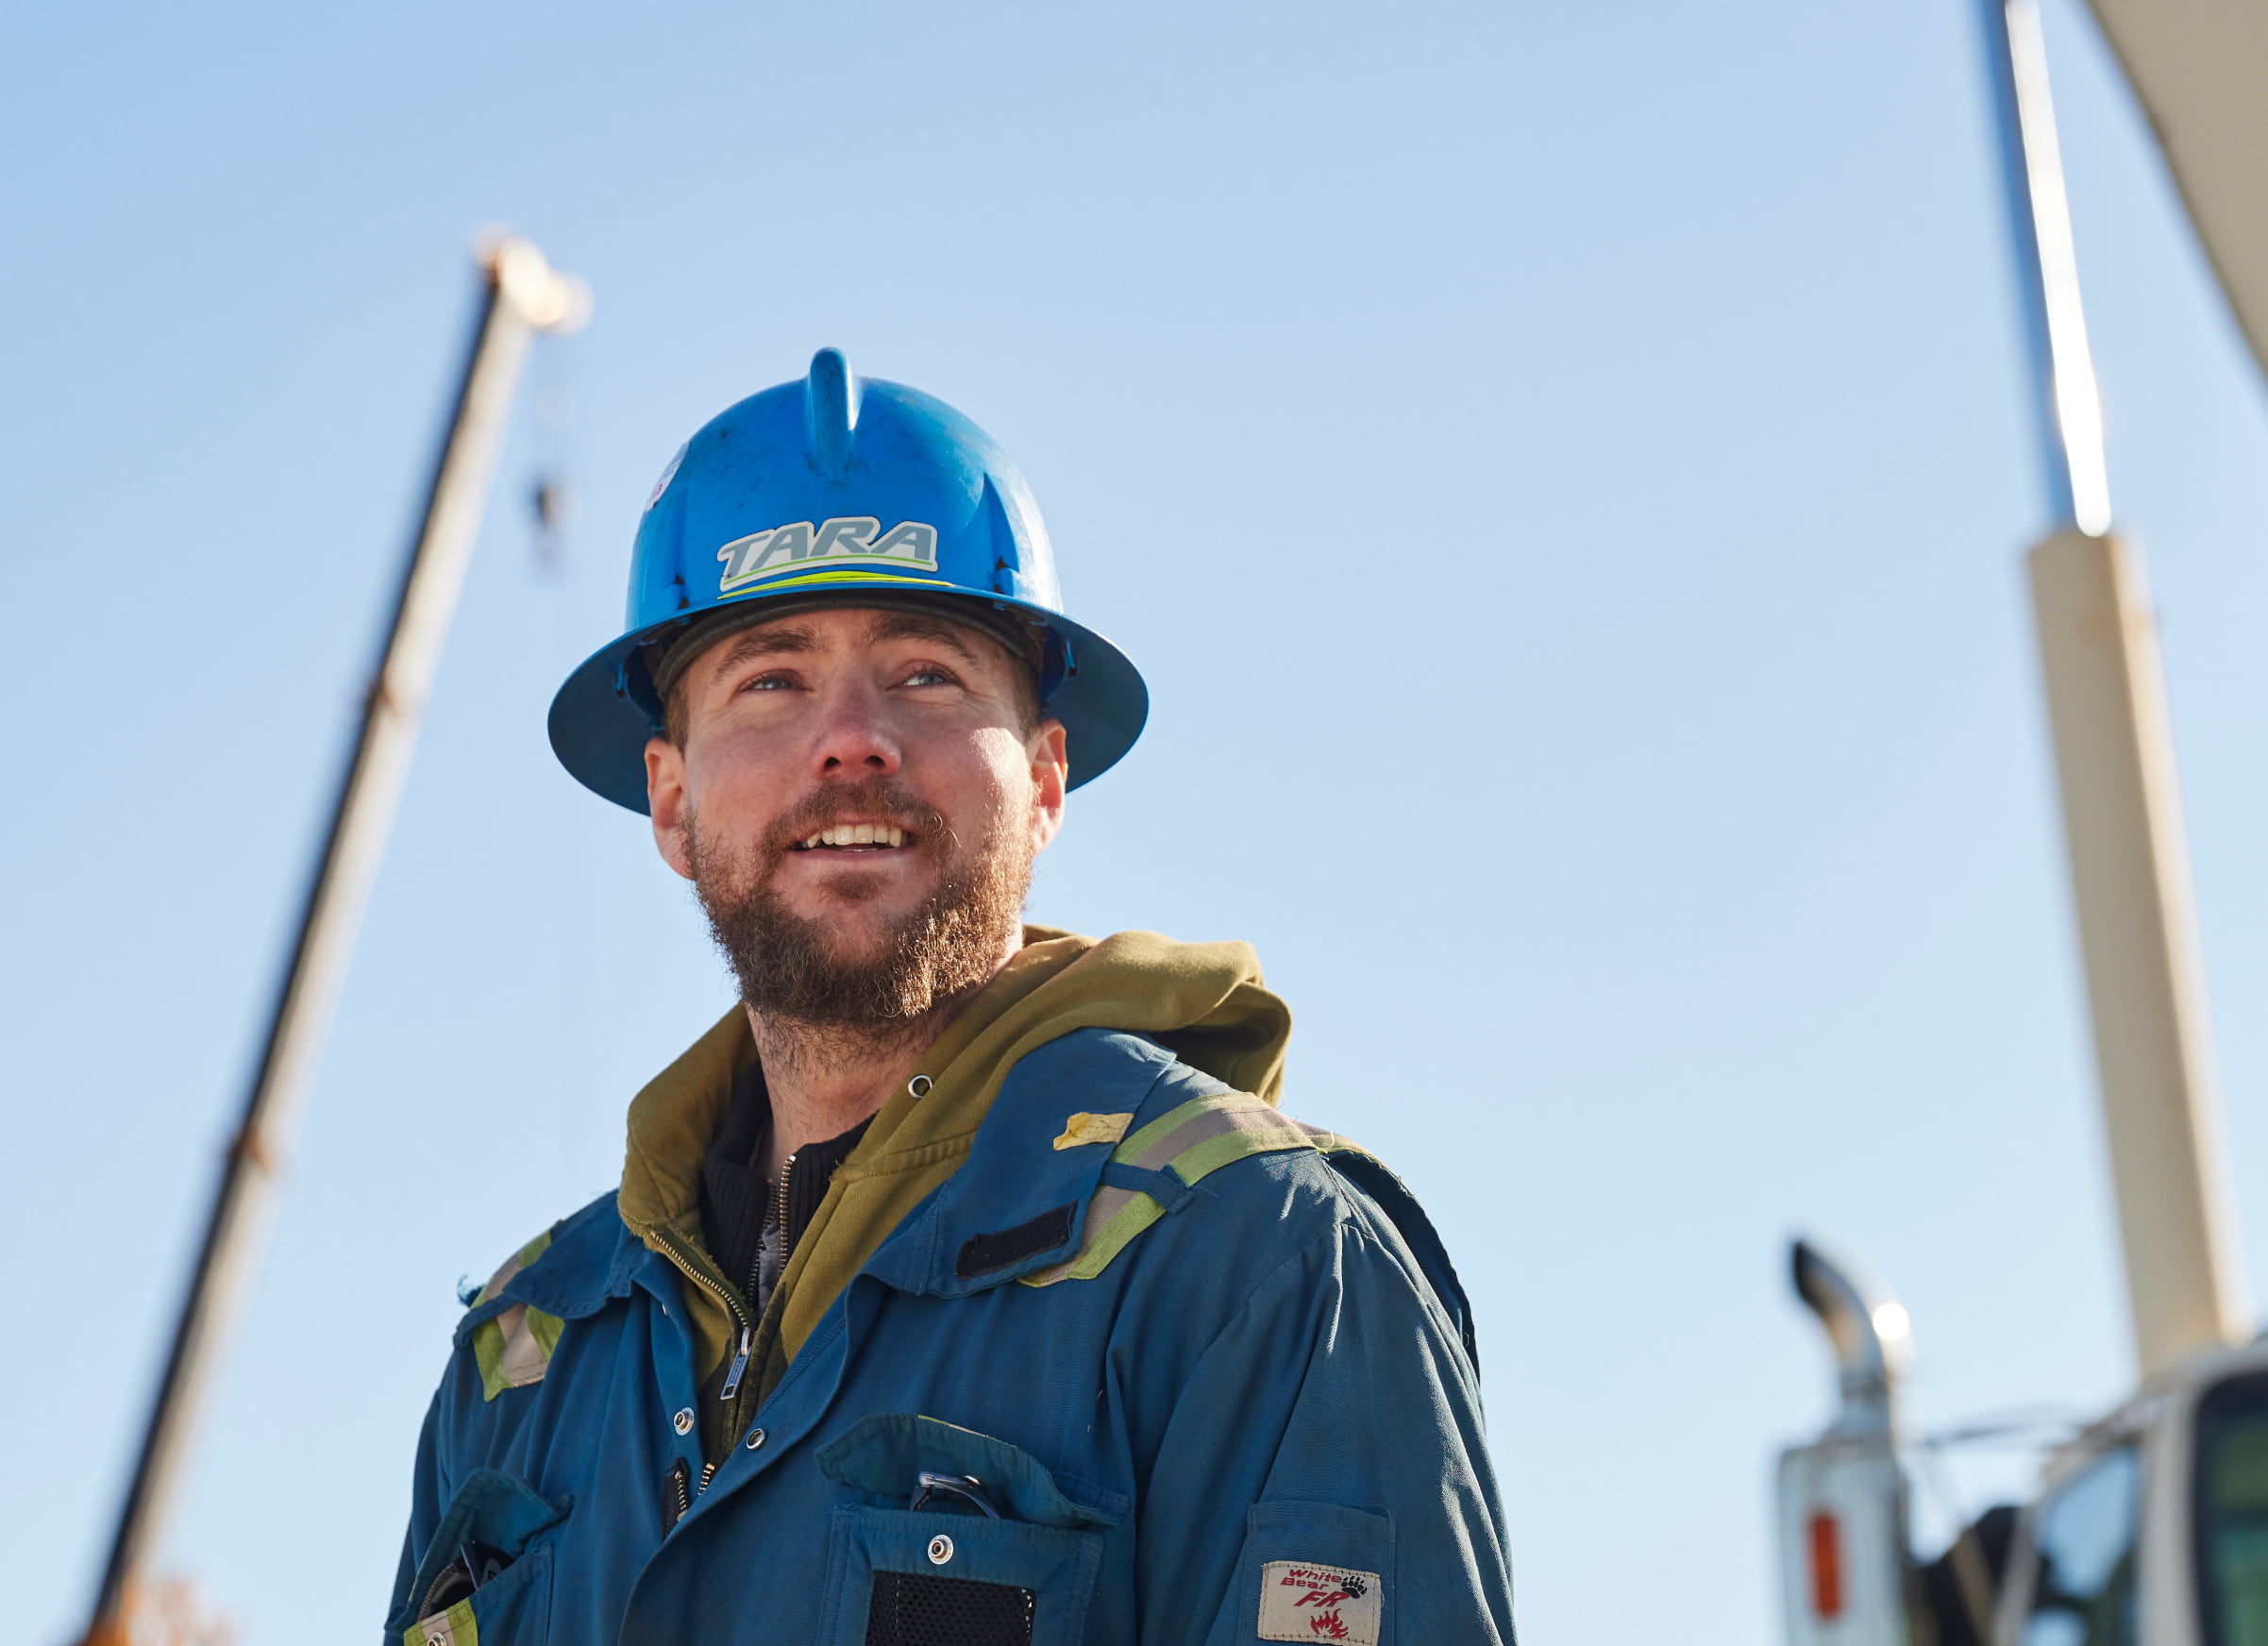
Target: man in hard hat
x=965, y=1285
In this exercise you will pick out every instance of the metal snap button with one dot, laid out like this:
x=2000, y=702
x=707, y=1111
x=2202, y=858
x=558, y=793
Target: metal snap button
x=941, y=1548
x=682, y=1422
x=755, y=1438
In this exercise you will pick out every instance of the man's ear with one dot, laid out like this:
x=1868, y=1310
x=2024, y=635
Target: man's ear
x=666, y=804
x=1051, y=768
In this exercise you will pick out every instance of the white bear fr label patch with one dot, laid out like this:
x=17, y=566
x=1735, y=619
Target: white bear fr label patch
x=1301, y=1600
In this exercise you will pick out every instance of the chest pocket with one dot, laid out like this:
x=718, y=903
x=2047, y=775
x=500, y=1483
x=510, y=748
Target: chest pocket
x=500, y=1523
x=954, y=1539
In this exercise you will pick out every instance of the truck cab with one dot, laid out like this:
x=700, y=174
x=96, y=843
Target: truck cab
x=2150, y=1527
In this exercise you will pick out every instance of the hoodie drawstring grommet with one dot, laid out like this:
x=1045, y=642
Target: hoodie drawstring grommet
x=918, y=1087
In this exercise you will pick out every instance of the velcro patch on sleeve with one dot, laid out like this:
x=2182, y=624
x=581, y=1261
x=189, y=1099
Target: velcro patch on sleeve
x=984, y=1254
x=1302, y=1600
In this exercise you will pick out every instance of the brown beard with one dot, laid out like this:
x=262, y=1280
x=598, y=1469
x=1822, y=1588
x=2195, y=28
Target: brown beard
x=795, y=972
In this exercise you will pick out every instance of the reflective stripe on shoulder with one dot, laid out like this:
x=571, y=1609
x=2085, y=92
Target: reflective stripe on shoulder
x=1191, y=1141
x=1331, y=1143
x=1206, y=1133
x=513, y=1265
x=515, y=1350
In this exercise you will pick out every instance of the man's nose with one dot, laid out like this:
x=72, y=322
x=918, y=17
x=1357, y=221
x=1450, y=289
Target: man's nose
x=856, y=739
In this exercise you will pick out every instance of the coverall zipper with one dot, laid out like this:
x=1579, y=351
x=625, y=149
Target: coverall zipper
x=680, y=1500
x=736, y=1305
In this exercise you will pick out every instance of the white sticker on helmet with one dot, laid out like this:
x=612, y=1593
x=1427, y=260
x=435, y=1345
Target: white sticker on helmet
x=668, y=475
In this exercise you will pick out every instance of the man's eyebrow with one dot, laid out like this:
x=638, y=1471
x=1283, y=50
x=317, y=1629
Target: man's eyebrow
x=918, y=626
x=768, y=641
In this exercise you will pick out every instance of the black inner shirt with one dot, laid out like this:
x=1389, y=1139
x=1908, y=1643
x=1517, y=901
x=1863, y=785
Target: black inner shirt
x=753, y=1222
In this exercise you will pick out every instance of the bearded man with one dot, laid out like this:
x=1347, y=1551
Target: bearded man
x=966, y=1286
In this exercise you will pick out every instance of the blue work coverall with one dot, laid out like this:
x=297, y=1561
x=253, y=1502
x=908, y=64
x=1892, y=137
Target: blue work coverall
x=1258, y=1418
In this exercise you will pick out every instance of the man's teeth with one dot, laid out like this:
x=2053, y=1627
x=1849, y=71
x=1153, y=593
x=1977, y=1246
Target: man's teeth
x=856, y=834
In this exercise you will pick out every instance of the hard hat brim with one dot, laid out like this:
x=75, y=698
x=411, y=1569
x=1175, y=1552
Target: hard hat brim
x=600, y=730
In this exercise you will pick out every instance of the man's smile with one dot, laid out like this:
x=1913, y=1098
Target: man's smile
x=859, y=838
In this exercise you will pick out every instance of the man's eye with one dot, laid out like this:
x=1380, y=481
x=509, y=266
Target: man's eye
x=928, y=677
x=769, y=683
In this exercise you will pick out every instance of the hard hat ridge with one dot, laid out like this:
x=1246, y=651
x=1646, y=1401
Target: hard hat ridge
x=835, y=489
x=830, y=403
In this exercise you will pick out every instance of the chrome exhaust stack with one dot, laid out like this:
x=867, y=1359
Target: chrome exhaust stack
x=1844, y=1561
x=1871, y=1334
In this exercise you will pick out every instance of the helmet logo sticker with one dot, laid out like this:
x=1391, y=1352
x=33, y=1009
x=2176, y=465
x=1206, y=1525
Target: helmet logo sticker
x=845, y=541
x=668, y=475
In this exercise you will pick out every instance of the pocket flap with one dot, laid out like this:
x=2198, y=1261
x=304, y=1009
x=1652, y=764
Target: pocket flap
x=884, y=1457
x=500, y=1510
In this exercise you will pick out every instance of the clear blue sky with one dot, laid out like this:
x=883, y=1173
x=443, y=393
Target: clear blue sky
x=1561, y=468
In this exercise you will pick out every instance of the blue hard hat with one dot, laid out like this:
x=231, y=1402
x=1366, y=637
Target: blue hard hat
x=850, y=487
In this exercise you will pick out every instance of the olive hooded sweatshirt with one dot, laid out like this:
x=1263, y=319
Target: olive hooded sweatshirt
x=1204, y=1002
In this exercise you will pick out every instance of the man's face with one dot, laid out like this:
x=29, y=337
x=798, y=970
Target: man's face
x=858, y=802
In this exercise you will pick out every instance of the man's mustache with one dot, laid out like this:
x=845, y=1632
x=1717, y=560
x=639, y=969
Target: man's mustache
x=879, y=799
